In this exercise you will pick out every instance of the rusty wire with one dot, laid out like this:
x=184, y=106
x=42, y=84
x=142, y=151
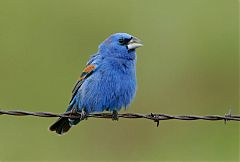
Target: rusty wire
x=152, y=116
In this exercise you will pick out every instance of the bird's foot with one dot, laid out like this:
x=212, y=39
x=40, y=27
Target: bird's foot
x=73, y=112
x=83, y=115
x=115, y=115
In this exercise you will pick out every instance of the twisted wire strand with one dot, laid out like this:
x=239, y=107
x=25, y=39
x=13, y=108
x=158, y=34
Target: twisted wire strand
x=152, y=116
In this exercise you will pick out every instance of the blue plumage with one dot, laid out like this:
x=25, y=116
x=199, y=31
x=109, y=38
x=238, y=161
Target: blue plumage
x=107, y=83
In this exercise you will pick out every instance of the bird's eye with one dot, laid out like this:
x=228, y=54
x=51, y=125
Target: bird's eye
x=121, y=41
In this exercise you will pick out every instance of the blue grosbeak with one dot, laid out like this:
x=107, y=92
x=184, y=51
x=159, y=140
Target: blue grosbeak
x=108, y=81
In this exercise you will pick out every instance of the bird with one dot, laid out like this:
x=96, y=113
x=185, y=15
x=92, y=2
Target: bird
x=107, y=83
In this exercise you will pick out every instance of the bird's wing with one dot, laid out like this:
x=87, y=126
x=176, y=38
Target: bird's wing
x=87, y=71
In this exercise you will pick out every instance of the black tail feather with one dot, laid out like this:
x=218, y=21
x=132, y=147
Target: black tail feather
x=61, y=126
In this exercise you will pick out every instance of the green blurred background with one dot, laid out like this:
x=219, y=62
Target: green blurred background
x=188, y=65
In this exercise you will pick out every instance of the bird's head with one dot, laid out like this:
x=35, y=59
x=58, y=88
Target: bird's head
x=120, y=45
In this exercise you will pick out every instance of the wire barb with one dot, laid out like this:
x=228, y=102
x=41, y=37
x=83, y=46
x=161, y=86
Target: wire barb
x=152, y=116
x=228, y=115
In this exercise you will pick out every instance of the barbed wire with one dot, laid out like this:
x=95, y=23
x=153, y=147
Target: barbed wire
x=152, y=116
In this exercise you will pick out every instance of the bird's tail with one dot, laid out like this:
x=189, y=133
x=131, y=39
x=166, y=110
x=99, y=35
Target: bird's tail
x=61, y=126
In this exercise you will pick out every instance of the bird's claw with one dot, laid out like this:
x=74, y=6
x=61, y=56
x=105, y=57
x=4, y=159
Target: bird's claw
x=115, y=115
x=83, y=115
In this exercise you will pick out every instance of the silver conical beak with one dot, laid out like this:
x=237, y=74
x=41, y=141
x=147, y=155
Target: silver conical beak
x=134, y=43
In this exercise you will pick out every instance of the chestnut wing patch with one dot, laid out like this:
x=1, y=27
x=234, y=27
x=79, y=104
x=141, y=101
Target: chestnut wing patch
x=87, y=71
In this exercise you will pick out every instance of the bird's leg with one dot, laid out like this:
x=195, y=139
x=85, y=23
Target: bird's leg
x=73, y=112
x=115, y=115
x=83, y=114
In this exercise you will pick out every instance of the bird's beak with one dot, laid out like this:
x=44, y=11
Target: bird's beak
x=134, y=43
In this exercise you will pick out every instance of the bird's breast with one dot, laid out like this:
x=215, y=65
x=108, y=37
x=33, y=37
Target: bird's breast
x=111, y=86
